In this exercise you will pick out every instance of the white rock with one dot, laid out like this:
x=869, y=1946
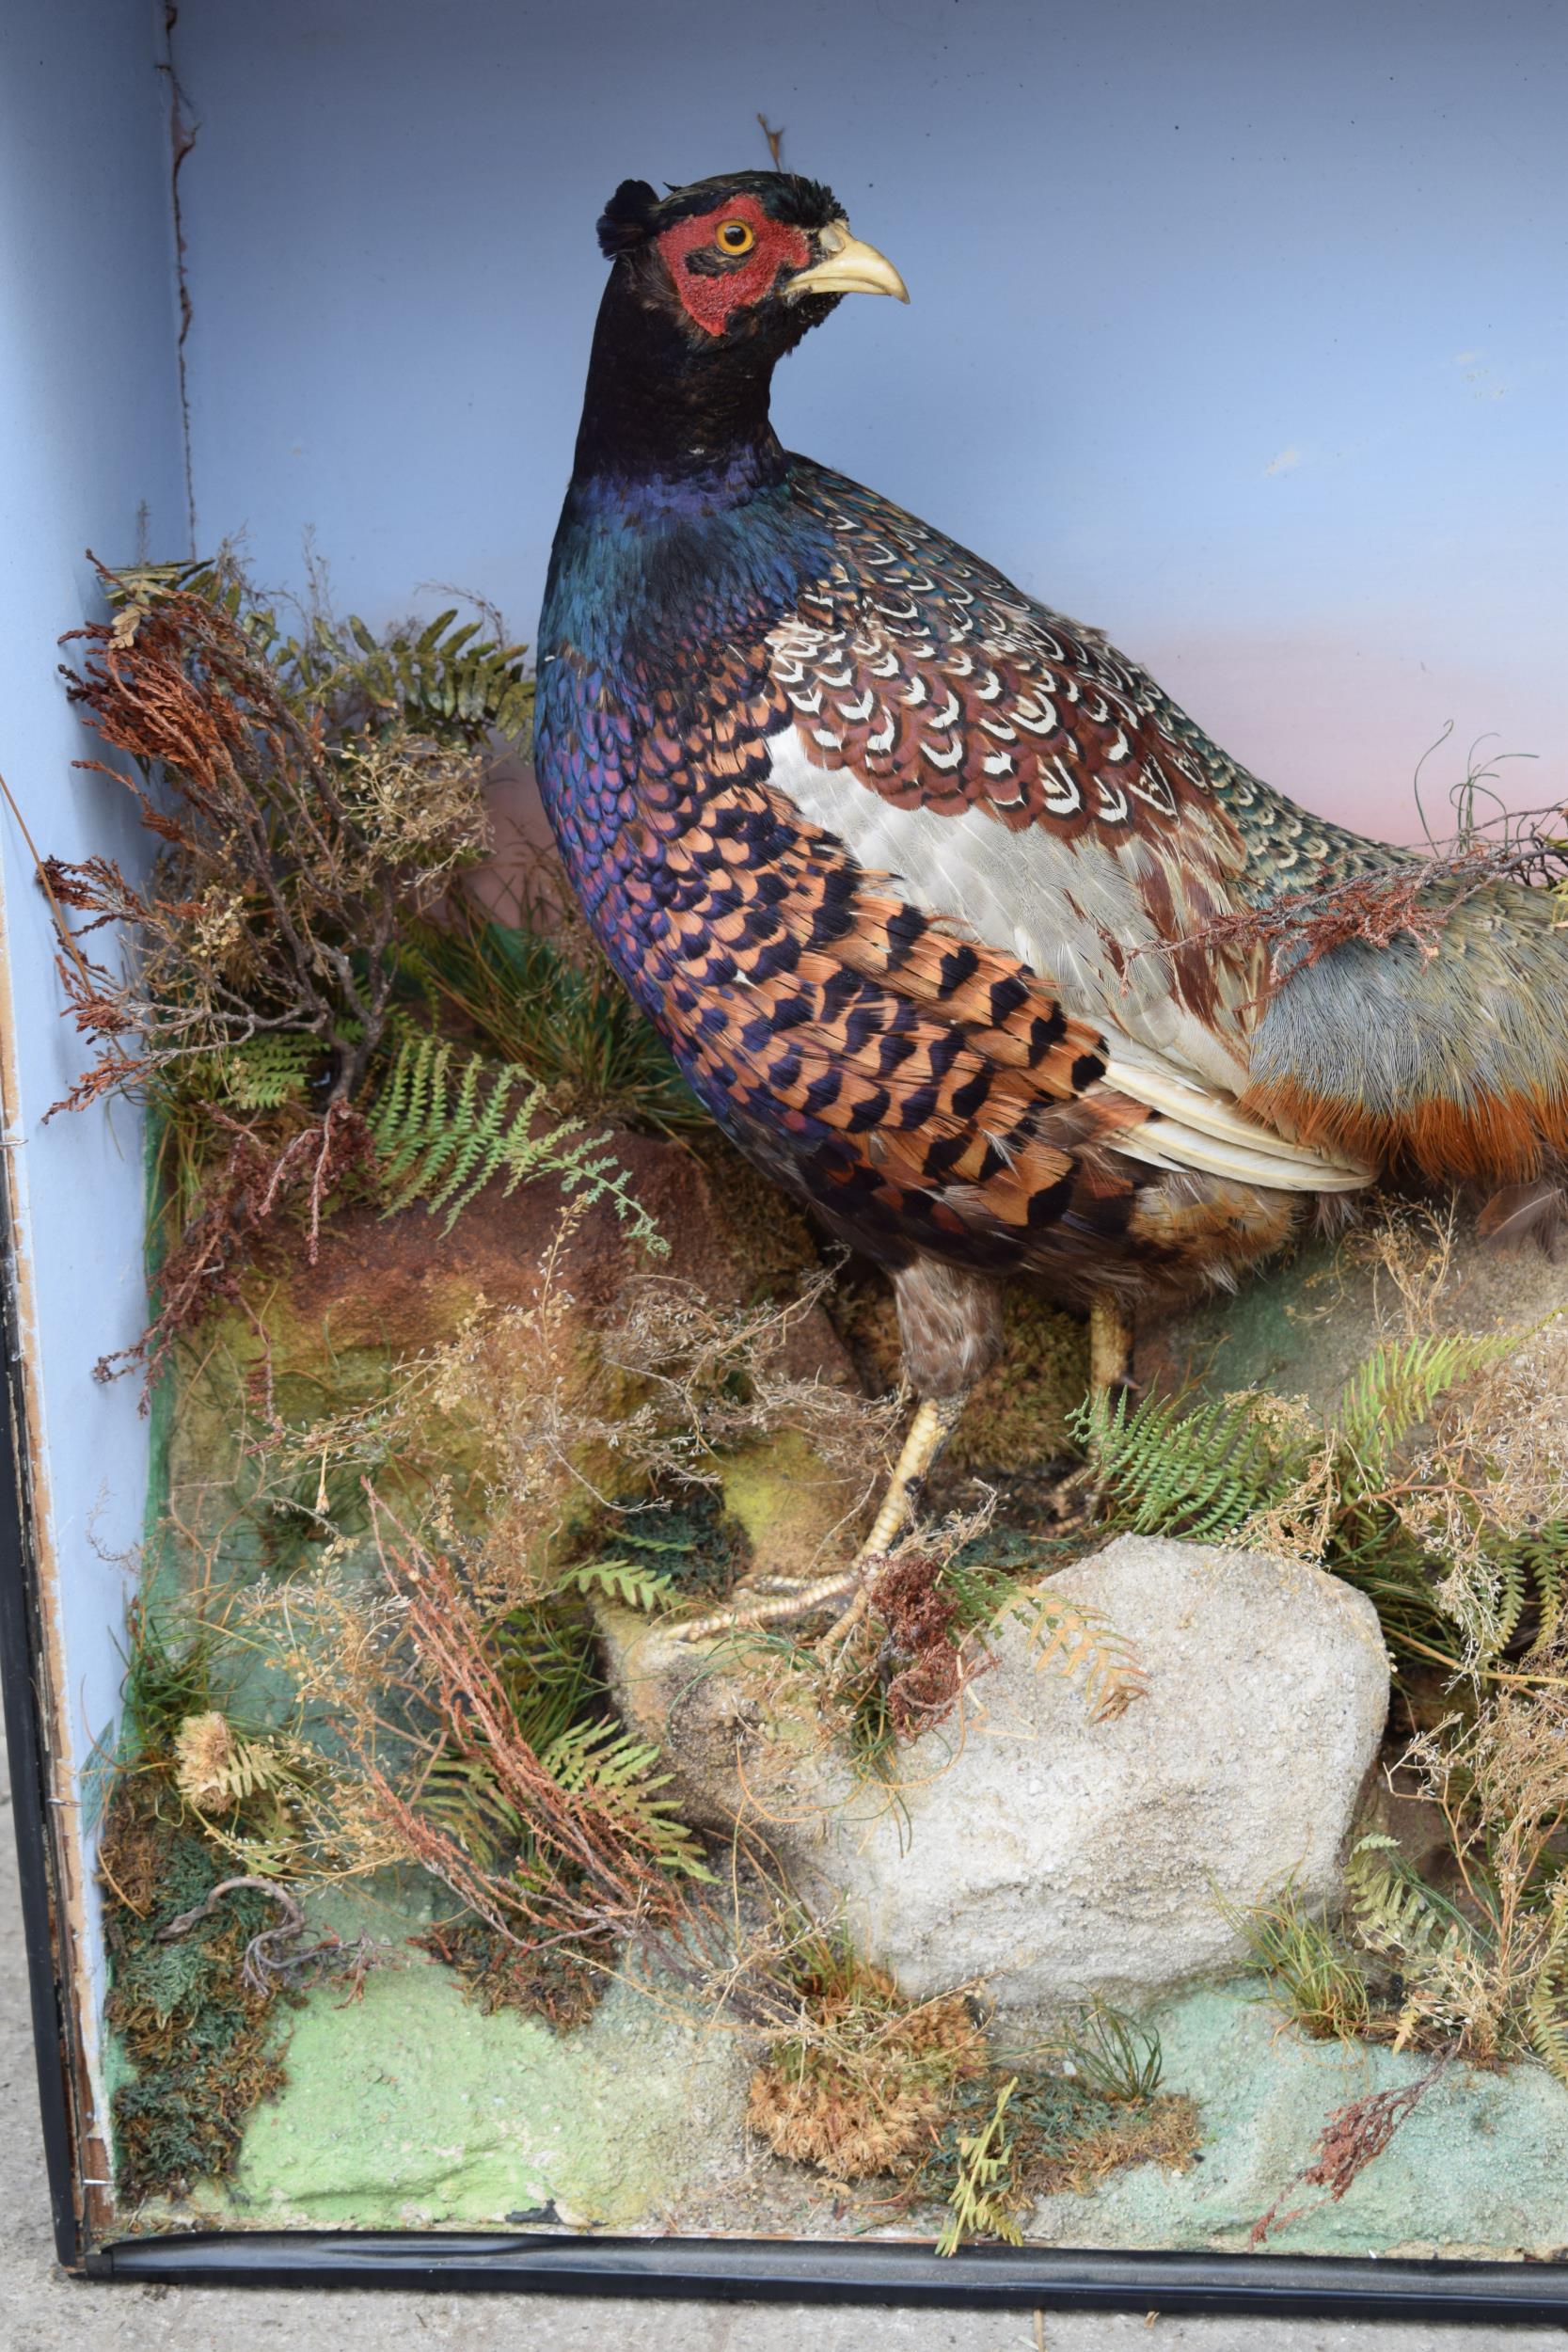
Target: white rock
x=1032, y=1848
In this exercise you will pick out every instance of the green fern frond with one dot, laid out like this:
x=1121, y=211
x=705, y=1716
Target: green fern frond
x=625, y=1581
x=545, y=1661
x=1547, y=2003
x=1512, y=1591
x=1533, y=1566
x=556, y=1010
x=444, y=678
x=261, y=1074
x=449, y=679
x=606, y=1757
x=460, y=1797
x=1402, y=1383
x=445, y=1123
x=622, y=1773
x=1199, y=1474
x=1398, y=1913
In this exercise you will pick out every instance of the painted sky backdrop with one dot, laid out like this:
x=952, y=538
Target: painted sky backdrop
x=89, y=432
x=1237, y=329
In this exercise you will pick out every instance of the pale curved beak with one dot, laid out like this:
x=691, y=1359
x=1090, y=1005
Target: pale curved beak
x=848, y=266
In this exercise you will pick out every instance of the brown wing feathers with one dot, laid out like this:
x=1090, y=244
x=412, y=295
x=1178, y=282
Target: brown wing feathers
x=946, y=1083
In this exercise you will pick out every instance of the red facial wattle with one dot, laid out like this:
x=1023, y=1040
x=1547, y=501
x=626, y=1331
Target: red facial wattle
x=712, y=295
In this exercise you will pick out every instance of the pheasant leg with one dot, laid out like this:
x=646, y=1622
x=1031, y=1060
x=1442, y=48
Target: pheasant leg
x=1110, y=1347
x=929, y=1433
x=1110, y=1377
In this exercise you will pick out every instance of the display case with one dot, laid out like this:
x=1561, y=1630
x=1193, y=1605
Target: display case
x=1154, y=1900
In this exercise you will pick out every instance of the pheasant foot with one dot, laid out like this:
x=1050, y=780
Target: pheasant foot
x=929, y=1432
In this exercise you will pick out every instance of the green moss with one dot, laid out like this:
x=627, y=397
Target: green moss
x=788, y=1501
x=198, y=2049
x=1019, y=1419
x=413, y=2105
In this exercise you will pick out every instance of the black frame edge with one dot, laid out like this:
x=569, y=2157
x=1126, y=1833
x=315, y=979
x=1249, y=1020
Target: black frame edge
x=861, y=2271
x=20, y=1651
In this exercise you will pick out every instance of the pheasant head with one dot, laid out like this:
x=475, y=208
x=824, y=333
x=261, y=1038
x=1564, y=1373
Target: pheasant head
x=711, y=285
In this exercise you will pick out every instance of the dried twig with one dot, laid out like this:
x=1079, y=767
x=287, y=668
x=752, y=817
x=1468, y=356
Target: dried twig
x=253, y=1183
x=1416, y=897
x=268, y=1962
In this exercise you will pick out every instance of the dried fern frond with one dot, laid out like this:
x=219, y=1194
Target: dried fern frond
x=984, y=2198
x=1074, y=1640
x=309, y=798
x=599, y=1849
x=1396, y=1912
x=215, y=1770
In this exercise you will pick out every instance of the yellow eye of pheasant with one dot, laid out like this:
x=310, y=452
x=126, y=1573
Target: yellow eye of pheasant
x=735, y=236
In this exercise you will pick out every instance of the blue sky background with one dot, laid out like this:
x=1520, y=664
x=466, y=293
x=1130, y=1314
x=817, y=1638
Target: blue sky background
x=1237, y=329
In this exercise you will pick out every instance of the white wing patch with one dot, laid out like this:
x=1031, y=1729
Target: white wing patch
x=1054, y=906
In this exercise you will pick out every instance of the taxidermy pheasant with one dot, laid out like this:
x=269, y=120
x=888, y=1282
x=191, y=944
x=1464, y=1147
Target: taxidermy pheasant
x=934, y=893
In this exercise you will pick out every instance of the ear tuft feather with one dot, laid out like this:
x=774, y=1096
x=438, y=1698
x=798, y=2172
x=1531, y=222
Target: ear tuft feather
x=627, y=218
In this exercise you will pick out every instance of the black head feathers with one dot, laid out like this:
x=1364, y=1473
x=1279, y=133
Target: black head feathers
x=635, y=212
x=627, y=219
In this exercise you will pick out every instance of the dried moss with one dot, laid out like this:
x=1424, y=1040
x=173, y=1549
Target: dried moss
x=865, y=2081
x=562, y=1985
x=205, y=2047
x=1019, y=1420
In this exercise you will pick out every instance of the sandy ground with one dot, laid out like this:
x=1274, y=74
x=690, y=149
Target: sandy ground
x=41, y=2310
